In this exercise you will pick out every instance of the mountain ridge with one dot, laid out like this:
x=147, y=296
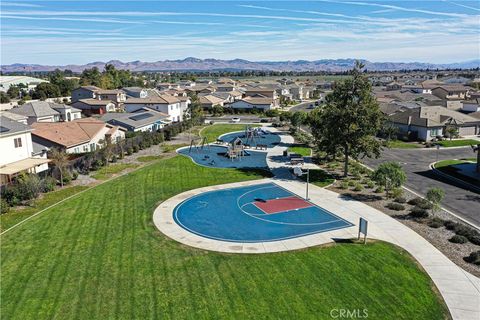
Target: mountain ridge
x=210, y=64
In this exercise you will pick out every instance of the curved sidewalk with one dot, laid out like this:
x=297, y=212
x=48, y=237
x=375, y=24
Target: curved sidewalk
x=460, y=289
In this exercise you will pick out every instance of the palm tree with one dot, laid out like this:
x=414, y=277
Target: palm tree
x=60, y=160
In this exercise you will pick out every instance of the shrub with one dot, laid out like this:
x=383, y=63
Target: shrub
x=358, y=187
x=129, y=151
x=474, y=258
x=371, y=184
x=114, y=159
x=418, y=212
x=475, y=239
x=96, y=164
x=435, y=197
x=425, y=205
x=389, y=175
x=380, y=189
x=436, y=223
x=48, y=184
x=465, y=231
x=450, y=225
x=344, y=185
x=395, y=206
x=67, y=178
x=10, y=194
x=135, y=149
x=4, y=206
x=351, y=183
x=415, y=201
x=396, y=193
x=29, y=186
x=74, y=174
x=458, y=239
x=400, y=199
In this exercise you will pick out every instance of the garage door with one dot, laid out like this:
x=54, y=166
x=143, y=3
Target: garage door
x=467, y=131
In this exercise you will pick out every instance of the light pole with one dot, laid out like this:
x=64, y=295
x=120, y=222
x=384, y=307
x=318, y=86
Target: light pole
x=299, y=172
x=438, y=148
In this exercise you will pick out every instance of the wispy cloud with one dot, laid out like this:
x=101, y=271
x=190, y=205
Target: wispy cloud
x=71, y=19
x=19, y=4
x=398, y=8
x=462, y=5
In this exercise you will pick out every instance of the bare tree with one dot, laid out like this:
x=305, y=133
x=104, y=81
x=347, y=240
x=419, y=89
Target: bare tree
x=60, y=160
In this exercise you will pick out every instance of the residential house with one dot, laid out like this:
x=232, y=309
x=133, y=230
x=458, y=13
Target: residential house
x=451, y=92
x=42, y=111
x=261, y=92
x=18, y=154
x=94, y=106
x=426, y=123
x=146, y=120
x=78, y=136
x=85, y=92
x=208, y=101
x=472, y=105
x=254, y=103
x=392, y=86
x=172, y=106
x=136, y=92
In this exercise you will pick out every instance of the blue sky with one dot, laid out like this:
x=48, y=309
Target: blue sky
x=77, y=32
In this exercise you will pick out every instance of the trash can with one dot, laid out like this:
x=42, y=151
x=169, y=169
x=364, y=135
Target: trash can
x=285, y=153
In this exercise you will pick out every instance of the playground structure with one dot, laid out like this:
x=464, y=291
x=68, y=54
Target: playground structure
x=236, y=149
x=198, y=146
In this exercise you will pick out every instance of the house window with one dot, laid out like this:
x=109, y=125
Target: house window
x=92, y=146
x=434, y=132
x=85, y=148
x=77, y=150
x=17, y=142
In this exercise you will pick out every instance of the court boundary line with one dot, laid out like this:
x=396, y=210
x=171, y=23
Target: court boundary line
x=272, y=185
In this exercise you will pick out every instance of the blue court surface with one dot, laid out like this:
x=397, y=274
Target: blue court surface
x=264, y=137
x=215, y=157
x=259, y=213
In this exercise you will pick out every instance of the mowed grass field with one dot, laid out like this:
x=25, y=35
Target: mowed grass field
x=214, y=131
x=99, y=256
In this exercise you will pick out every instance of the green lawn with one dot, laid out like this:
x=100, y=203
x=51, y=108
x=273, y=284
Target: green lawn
x=106, y=172
x=149, y=158
x=458, y=143
x=399, y=144
x=303, y=151
x=99, y=256
x=214, y=131
x=445, y=163
x=15, y=216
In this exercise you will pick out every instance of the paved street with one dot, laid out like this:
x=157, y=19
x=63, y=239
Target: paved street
x=304, y=106
x=416, y=162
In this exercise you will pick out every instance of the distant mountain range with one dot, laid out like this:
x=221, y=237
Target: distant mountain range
x=195, y=64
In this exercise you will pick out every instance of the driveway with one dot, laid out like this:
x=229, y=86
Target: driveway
x=420, y=178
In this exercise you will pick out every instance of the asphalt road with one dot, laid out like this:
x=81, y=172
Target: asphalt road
x=304, y=106
x=420, y=178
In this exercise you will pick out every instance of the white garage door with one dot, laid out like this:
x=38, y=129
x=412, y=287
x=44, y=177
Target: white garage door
x=467, y=131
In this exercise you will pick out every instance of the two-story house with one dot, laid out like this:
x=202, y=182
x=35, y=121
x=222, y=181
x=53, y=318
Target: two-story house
x=18, y=154
x=42, y=111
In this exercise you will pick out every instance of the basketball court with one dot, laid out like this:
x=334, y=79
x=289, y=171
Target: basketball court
x=258, y=213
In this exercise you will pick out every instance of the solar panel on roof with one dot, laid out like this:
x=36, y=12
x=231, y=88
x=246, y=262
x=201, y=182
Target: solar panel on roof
x=3, y=129
x=141, y=116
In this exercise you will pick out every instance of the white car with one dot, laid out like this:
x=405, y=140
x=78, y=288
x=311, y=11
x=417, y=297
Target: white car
x=236, y=120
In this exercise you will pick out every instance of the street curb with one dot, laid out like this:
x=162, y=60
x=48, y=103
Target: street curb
x=447, y=176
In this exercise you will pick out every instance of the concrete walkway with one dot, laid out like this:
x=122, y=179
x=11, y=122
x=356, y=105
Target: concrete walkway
x=460, y=289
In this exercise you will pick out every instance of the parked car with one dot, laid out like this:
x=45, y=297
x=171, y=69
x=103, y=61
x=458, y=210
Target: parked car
x=235, y=120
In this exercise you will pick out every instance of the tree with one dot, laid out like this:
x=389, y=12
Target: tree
x=349, y=121
x=46, y=90
x=451, y=131
x=13, y=92
x=389, y=175
x=4, y=98
x=217, y=110
x=298, y=118
x=435, y=196
x=60, y=161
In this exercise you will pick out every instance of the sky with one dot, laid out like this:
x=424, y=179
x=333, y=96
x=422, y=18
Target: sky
x=78, y=32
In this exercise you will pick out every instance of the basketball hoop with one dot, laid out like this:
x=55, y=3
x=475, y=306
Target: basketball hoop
x=298, y=171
